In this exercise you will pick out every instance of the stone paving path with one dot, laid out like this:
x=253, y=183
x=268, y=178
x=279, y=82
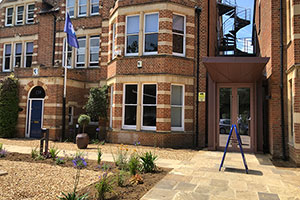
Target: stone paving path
x=199, y=178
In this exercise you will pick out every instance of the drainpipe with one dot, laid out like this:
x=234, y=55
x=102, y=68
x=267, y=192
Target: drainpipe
x=198, y=11
x=54, y=38
x=281, y=82
x=206, y=88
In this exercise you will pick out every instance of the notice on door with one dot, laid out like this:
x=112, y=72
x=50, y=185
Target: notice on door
x=201, y=96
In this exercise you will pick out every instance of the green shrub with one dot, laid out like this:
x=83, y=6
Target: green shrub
x=83, y=121
x=34, y=153
x=1, y=146
x=73, y=196
x=105, y=167
x=9, y=106
x=121, y=159
x=59, y=161
x=99, y=154
x=103, y=186
x=121, y=178
x=148, y=162
x=134, y=164
x=53, y=152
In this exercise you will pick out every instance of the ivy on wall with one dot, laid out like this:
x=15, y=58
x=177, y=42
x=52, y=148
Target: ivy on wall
x=9, y=106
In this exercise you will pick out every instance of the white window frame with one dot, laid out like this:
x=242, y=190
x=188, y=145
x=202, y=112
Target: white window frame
x=9, y=65
x=131, y=54
x=176, y=106
x=27, y=13
x=129, y=127
x=114, y=40
x=93, y=37
x=64, y=54
x=76, y=62
x=17, y=22
x=68, y=8
x=184, y=36
x=91, y=5
x=25, y=53
x=111, y=106
x=148, y=128
x=71, y=115
x=15, y=51
x=78, y=8
x=144, y=35
x=12, y=17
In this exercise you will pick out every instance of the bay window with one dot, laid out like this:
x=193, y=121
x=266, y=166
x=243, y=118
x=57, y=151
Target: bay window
x=132, y=35
x=19, y=17
x=29, y=53
x=18, y=54
x=94, y=7
x=7, y=57
x=177, y=107
x=9, y=16
x=130, y=106
x=149, y=107
x=94, y=51
x=178, y=35
x=30, y=14
x=82, y=7
x=151, y=34
x=80, y=60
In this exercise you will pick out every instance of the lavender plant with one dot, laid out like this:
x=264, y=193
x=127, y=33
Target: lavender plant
x=103, y=186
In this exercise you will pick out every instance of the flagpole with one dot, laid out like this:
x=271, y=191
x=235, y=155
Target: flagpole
x=65, y=91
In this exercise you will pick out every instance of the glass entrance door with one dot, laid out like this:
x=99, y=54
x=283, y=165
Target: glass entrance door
x=235, y=107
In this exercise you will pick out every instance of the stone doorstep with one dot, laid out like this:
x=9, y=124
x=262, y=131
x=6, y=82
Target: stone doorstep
x=2, y=173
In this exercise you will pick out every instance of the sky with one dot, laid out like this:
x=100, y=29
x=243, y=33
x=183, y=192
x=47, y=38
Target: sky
x=247, y=31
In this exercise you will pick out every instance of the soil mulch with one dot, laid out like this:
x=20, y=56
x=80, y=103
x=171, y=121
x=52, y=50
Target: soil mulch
x=128, y=191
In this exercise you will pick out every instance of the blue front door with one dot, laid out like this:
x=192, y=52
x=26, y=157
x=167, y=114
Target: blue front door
x=36, y=118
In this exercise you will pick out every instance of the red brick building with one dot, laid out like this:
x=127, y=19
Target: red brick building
x=170, y=83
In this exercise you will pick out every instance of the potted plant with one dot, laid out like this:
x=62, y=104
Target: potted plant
x=82, y=139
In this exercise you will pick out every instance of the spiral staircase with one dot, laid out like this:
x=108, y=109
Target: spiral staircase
x=233, y=19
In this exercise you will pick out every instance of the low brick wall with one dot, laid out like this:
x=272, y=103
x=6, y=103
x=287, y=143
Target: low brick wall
x=294, y=155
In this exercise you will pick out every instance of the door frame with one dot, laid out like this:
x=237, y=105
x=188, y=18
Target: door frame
x=28, y=115
x=253, y=130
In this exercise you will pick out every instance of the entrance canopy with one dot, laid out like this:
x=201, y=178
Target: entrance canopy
x=235, y=69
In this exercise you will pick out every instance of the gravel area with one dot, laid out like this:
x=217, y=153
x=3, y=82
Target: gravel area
x=164, y=153
x=36, y=181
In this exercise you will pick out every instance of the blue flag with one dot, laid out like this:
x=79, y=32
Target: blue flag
x=71, y=36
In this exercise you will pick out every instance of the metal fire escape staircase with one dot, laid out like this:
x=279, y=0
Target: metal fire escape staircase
x=234, y=19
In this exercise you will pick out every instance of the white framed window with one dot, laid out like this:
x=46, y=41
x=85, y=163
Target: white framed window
x=94, y=51
x=9, y=16
x=94, y=7
x=71, y=115
x=177, y=108
x=69, y=56
x=111, y=105
x=80, y=55
x=71, y=8
x=18, y=55
x=19, y=15
x=179, y=31
x=7, y=57
x=30, y=14
x=151, y=34
x=114, y=40
x=149, y=102
x=82, y=7
x=130, y=106
x=28, y=55
x=132, y=35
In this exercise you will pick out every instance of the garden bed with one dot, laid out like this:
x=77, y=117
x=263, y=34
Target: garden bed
x=128, y=191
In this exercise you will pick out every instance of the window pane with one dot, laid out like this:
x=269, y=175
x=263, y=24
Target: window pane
x=151, y=23
x=71, y=3
x=176, y=116
x=177, y=43
x=28, y=61
x=10, y=11
x=133, y=24
x=29, y=47
x=82, y=2
x=151, y=41
x=8, y=49
x=131, y=94
x=7, y=63
x=178, y=24
x=149, y=96
x=81, y=43
x=94, y=57
x=132, y=44
x=31, y=7
x=95, y=42
x=18, y=49
x=149, y=117
x=176, y=96
x=130, y=115
x=80, y=58
x=82, y=10
x=71, y=12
